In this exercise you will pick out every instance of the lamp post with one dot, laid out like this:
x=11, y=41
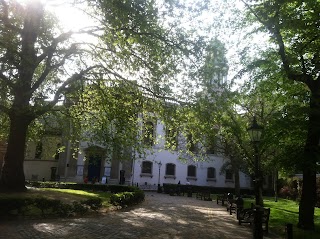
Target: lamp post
x=159, y=187
x=255, y=132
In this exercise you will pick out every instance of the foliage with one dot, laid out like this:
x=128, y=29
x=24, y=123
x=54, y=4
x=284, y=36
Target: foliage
x=93, y=203
x=12, y=206
x=26, y=205
x=288, y=193
x=291, y=28
x=126, y=199
x=98, y=86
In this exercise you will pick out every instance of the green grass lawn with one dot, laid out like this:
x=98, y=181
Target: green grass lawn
x=286, y=211
x=105, y=196
x=64, y=195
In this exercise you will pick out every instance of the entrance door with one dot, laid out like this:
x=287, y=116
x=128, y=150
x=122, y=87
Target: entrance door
x=94, y=167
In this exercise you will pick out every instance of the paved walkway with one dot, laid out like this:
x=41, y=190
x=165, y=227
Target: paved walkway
x=160, y=216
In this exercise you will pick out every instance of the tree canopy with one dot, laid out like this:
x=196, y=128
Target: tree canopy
x=138, y=52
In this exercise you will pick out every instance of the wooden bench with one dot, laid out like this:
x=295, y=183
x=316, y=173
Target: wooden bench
x=235, y=205
x=247, y=216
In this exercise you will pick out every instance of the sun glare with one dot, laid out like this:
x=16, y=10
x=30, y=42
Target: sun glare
x=70, y=17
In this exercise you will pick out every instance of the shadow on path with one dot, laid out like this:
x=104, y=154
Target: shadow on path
x=160, y=216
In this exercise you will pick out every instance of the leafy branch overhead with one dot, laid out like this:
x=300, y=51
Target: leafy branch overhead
x=134, y=52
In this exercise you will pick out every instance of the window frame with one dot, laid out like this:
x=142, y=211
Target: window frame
x=144, y=172
x=214, y=174
x=229, y=172
x=174, y=171
x=192, y=177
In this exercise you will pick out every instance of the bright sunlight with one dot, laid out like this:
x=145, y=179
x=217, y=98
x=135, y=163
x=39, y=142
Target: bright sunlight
x=68, y=12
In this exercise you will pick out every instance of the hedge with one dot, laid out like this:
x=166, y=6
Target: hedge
x=126, y=199
x=14, y=207
x=167, y=188
x=122, y=196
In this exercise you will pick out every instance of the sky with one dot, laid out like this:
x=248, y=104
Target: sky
x=220, y=13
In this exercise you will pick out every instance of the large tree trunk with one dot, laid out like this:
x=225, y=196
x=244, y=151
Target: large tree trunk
x=311, y=153
x=21, y=113
x=12, y=175
x=307, y=203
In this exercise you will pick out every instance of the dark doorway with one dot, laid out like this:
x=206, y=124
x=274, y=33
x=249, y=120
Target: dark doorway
x=94, y=168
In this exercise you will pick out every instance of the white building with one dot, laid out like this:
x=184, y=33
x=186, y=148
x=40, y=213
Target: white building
x=157, y=166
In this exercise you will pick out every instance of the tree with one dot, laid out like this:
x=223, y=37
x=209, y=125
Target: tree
x=294, y=29
x=41, y=65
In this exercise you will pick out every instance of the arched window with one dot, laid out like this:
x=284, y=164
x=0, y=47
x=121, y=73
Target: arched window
x=192, y=171
x=170, y=169
x=211, y=173
x=146, y=167
x=148, y=134
x=229, y=175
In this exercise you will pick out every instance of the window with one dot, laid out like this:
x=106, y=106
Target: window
x=146, y=167
x=170, y=170
x=229, y=175
x=192, y=171
x=171, y=139
x=148, y=134
x=211, y=173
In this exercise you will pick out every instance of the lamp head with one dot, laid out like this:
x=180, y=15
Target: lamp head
x=255, y=131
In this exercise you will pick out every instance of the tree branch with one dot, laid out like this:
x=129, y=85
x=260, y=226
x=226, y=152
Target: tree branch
x=49, y=68
x=51, y=49
x=62, y=89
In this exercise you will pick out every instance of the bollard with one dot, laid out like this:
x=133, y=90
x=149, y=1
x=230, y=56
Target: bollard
x=289, y=231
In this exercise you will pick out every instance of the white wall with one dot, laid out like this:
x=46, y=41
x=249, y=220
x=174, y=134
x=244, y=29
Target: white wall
x=42, y=168
x=181, y=171
x=158, y=154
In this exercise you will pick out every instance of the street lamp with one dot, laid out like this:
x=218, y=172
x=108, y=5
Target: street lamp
x=159, y=187
x=255, y=132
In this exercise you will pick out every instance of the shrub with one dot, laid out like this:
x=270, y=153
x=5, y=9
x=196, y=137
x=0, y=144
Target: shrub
x=14, y=206
x=46, y=205
x=79, y=208
x=93, y=203
x=64, y=210
x=288, y=193
x=125, y=199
